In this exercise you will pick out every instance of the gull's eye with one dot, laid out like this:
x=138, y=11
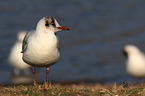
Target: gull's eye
x=53, y=24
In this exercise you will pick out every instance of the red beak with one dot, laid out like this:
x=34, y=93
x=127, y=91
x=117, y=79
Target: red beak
x=63, y=28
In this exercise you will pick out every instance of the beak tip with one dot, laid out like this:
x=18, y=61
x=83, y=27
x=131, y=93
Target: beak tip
x=63, y=28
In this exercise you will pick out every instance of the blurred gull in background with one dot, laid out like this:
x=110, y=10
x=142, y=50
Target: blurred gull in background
x=135, y=64
x=15, y=57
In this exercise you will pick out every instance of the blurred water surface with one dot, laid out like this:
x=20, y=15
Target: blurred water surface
x=92, y=50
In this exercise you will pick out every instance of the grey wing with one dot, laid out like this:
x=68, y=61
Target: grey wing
x=58, y=44
x=24, y=43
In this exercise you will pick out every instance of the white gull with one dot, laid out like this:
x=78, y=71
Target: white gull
x=15, y=56
x=41, y=47
x=135, y=64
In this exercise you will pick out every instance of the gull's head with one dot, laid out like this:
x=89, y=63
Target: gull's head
x=21, y=35
x=50, y=24
x=130, y=49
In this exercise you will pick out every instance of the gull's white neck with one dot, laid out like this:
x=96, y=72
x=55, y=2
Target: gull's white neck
x=46, y=37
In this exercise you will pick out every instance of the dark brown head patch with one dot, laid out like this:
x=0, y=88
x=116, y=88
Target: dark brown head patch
x=50, y=21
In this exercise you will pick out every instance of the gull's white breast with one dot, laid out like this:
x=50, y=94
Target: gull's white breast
x=41, y=50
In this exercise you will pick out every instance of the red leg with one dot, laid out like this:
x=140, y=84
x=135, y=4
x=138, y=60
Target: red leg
x=47, y=72
x=34, y=76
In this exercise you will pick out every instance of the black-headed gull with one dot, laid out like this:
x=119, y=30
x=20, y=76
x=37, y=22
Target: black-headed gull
x=135, y=64
x=15, y=56
x=41, y=47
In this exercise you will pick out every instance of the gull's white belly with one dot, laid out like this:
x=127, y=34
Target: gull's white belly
x=41, y=60
x=41, y=54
